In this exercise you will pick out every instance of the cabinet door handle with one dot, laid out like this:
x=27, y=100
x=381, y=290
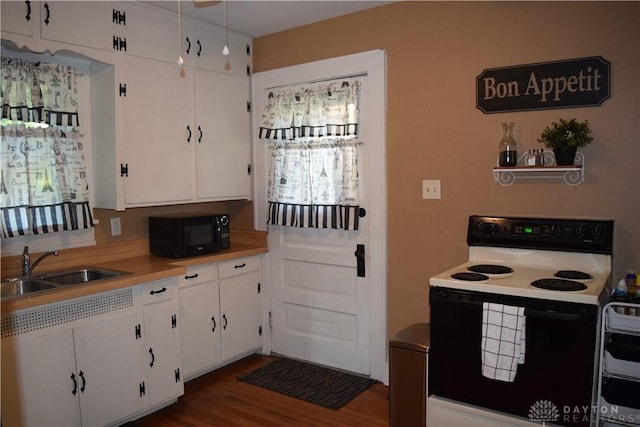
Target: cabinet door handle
x=213, y=319
x=189, y=131
x=188, y=45
x=75, y=384
x=243, y=265
x=193, y=276
x=199, y=47
x=199, y=134
x=28, y=16
x=84, y=381
x=153, y=357
x=46, y=19
x=158, y=292
x=224, y=317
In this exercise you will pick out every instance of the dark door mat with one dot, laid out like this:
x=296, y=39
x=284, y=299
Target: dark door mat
x=326, y=387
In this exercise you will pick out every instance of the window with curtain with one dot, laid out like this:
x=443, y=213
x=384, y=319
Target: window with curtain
x=43, y=182
x=312, y=132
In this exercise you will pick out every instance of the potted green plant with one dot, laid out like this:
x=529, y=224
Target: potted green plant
x=564, y=137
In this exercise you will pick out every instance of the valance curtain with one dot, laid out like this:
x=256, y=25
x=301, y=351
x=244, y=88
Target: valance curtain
x=43, y=186
x=313, y=174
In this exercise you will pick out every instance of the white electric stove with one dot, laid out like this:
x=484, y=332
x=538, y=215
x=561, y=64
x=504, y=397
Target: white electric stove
x=557, y=271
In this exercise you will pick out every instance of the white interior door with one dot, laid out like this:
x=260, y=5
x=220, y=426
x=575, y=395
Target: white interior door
x=321, y=310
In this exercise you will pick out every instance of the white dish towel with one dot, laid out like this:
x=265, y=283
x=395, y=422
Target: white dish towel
x=503, y=341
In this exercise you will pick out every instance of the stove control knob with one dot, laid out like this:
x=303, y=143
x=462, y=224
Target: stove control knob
x=487, y=228
x=555, y=231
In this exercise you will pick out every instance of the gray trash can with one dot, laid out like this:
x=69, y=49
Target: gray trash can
x=408, y=359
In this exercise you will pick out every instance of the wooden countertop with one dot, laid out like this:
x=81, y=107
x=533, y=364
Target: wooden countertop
x=143, y=268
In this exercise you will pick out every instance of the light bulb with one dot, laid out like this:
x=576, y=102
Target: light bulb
x=180, y=60
x=225, y=51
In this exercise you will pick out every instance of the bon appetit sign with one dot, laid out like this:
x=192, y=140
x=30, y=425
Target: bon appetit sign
x=582, y=82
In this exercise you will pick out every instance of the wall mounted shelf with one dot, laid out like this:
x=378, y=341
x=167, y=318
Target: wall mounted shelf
x=572, y=175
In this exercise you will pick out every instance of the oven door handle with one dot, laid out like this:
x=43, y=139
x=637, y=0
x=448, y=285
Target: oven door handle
x=576, y=317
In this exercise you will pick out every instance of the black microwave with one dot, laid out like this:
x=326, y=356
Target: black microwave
x=185, y=235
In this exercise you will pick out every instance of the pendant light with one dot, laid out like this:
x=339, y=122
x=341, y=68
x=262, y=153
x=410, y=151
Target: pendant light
x=180, y=60
x=225, y=50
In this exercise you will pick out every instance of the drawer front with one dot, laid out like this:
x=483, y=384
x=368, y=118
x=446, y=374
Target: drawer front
x=199, y=274
x=161, y=290
x=238, y=266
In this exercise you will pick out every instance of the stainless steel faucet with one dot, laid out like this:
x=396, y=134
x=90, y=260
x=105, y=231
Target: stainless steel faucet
x=27, y=267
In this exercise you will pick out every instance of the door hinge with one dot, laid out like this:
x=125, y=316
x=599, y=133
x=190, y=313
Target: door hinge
x=120, y=43
x=174, y=321
x=269, y=320
x=260, y=330
x=177, y=372
x=142, y=390
x=249, y=169
x=248, y=106
x=138, y=332
x=259, y=287
x=119, y=17
x=123, y=89
x=248, y=70
x=124, y=170
x=248, y=50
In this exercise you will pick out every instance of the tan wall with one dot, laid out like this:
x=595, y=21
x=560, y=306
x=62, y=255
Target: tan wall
x=434, y=52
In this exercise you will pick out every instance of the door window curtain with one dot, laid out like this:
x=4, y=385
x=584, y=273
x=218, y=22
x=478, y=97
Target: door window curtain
x=312, y=131
x=43, y=182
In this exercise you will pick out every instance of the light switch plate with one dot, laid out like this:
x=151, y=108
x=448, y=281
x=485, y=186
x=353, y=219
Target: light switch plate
x=431, y=189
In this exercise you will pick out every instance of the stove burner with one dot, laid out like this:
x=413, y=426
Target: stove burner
x=490, y=269
x=471, y=277
x=573, y=275
x=559, y=285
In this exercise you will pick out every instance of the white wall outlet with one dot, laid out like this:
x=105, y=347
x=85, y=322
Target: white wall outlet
x=431, y=189
x=115, y=227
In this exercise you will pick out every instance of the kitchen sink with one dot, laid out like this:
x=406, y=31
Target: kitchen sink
x=83, y=275
x=18, y=287
x=23, y=286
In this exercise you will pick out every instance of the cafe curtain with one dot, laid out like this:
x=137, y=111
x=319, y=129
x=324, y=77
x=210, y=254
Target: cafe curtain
x=312, y=131
x=43, y=183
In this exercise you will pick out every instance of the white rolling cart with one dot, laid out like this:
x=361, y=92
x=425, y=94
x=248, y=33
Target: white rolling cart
x=619, y=373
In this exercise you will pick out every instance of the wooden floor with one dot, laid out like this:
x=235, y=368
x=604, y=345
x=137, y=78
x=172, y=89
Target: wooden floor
x=219, y=399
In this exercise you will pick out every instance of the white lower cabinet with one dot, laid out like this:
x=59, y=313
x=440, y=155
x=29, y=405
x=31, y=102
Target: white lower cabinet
x=92, y=361
x=162, y=342
x=219, y=313
x=88, y=373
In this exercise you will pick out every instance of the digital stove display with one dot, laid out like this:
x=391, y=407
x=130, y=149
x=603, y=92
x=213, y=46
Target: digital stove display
x=535, y=230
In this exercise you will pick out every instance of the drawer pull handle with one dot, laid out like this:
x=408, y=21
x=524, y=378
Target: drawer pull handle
x=213, y=319
x=243, y=265
x=193, y=276
x=158, y=292
x=224, y=317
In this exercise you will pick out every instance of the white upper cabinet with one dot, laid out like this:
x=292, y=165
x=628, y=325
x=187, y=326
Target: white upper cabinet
x=223, y=126
x=93, y=24
x=157, y=132
x=18, y=17
x=151, y=33
x=208, y=43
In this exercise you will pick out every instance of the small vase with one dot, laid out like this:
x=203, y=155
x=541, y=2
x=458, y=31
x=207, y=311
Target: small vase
x=565, y=155
x=508, y=148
